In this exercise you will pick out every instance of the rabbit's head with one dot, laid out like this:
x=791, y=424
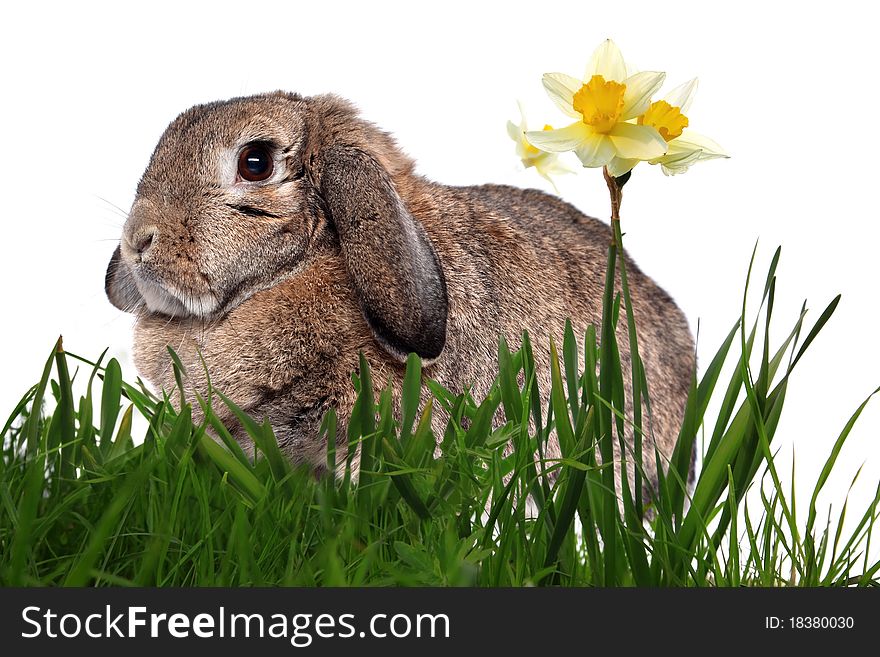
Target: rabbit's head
x=238, y=194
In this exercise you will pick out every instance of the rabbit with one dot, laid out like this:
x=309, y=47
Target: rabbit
x=279, y=236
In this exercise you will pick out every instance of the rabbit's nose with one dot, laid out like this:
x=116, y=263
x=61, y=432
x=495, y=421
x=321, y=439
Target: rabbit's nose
x=144, y=239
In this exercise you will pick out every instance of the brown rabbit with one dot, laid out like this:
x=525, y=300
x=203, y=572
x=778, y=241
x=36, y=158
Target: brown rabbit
x=279, y=236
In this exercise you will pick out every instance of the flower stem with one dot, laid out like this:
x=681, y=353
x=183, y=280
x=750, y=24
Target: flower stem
x=616, y=192
x=607, y=357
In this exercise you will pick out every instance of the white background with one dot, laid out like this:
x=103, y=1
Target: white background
x=789, y=89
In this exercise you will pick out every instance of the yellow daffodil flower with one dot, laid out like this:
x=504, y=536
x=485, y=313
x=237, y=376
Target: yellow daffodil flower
x=604, y=104
x=546, y=164
x=669, y=118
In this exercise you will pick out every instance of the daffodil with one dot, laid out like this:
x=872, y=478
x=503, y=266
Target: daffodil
x=546, y=164
x=604, y=103
x=669, y=118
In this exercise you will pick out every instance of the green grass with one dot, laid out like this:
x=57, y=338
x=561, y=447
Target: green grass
x=81, y=504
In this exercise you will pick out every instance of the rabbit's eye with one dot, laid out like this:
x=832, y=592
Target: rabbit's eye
x=255, y=163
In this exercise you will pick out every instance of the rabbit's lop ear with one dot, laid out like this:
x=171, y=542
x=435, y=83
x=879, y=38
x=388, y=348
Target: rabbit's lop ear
x=395, y=270
x=120, y=286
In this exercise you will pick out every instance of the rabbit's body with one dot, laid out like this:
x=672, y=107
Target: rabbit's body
x=476, y=262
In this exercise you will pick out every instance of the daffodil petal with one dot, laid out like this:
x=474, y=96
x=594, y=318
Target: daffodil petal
x=607, y=61
x=687, y=150
x=514, y=131
x=639, y=142
x=595, y=151
x=683, y=95
x=639, y=89
x=562, y=167
x=553, y=166
x=677, y=156
x=561, y=89
x=693, y=141
x=678, y=163
x=619, y=166
x=546, y=176
x=560, y=140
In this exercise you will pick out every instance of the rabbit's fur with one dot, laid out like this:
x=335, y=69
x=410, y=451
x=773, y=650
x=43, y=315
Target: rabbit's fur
x=280, y=284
